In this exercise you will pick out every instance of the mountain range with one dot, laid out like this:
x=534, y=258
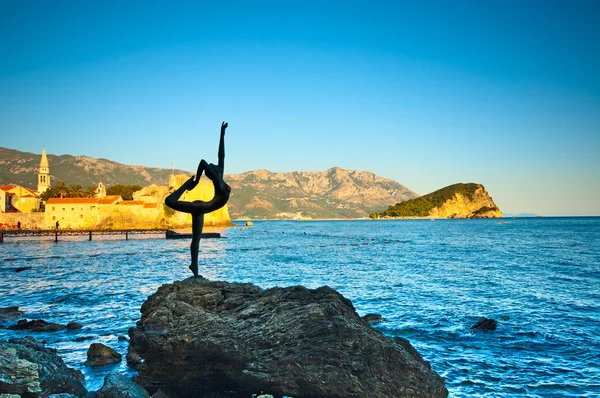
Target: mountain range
x=334, y=193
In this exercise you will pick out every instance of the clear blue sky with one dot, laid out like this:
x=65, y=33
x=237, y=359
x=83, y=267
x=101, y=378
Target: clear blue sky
x=504, y=93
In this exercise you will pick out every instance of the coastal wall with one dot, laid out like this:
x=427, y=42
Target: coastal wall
x=28, y=220
x=81, y=213
x=129, y=214
x=147, y=210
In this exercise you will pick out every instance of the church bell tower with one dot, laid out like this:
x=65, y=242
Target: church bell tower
x=43, y=174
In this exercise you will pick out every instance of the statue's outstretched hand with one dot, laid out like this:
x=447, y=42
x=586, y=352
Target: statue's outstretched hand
x=224, y=125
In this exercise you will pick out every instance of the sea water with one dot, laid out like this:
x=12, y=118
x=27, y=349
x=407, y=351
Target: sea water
x=430, y=280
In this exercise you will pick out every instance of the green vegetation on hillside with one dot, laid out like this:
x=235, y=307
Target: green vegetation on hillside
x=126, y=191
x=420, y=207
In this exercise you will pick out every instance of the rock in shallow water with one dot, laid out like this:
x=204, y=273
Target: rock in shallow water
x=373, y=318
x=117, y=385
x=28, y=368
x=37, y=325
x=198, y=337
x=99, y=355
x=10, y=313
x=486, y=324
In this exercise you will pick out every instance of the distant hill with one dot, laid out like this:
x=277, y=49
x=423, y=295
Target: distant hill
x=454, y=201
x=20, y=168
x=334, y=193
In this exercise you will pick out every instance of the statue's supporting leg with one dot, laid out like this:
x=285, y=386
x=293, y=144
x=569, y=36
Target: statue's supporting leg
x=197, y=225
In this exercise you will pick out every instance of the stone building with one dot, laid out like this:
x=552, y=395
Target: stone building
x=18, y=199
x=79, y=213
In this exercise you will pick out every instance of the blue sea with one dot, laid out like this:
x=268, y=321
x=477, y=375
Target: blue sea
x=431, y=281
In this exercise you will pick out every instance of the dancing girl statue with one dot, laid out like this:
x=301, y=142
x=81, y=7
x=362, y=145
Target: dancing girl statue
x=199, y=208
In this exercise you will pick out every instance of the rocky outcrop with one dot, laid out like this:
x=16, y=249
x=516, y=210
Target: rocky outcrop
x=486, y=324
x=199, y=337
x=373, y=318
x=460, y=200
x=477, y=205
x=100, y=355
x=117, y=385
x=39, y=325
x=30, y=369
x=10, y=313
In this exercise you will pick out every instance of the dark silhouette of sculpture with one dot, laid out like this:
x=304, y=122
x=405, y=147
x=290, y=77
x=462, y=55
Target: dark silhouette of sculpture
x=199, y=208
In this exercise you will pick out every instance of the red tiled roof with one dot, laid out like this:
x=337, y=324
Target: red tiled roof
x=71, y=200
x=110, y=199
x=7, y=187
x=131, y=202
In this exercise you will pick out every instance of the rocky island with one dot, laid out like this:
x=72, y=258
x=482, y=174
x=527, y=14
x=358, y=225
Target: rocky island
x=455, y=201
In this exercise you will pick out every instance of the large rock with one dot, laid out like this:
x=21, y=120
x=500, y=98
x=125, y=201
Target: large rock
x=198, y=337
x=486, y=324
x=117, y=385
x=100, y=355
x=30, y=369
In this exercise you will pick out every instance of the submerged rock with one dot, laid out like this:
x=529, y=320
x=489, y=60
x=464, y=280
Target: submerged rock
x=10, y=313
x=99, y=355
x=30, y=369
x=486, y=324
x=84, y=338
x=117, y=385
x=74, y=325
x=373, y=318
x=198, y=337
x=37, y=325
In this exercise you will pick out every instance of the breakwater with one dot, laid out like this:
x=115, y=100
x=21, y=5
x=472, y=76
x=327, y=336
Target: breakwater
x=89, y=233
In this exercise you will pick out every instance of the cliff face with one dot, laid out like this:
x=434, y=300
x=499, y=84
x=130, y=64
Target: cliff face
x=454, y=201
x=479, y=205
x=334, y=193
